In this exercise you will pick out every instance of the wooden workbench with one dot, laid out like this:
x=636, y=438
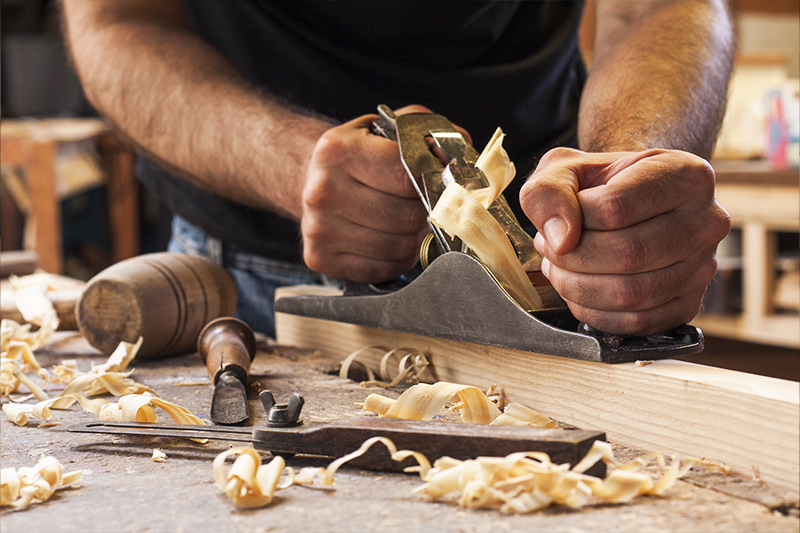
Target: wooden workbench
x=125, y=491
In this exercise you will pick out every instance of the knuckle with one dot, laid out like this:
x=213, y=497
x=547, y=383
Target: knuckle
x=615, y=211
x=627, y=293
x=313, y=231
x=721, y=221
x=329, y=147
x=559, y=154
x=631, y=255
x=405, y=248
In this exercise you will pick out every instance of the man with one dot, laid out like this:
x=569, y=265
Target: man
x=260, y=108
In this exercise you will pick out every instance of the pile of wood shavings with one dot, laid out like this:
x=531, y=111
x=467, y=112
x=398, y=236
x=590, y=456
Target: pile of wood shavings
x=136, y=400
x=29, y=485
x=517, y=483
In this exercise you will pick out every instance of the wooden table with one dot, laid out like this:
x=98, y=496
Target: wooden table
x=127, y=492
x=32, y=145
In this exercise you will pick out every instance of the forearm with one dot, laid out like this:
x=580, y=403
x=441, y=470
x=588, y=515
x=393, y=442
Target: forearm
x=659, y=76
x=182, y=102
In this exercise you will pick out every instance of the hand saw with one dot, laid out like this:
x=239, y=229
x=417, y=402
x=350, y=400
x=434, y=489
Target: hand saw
x=456, y=297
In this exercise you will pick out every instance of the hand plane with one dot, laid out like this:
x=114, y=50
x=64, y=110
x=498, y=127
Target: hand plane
x=456, y=297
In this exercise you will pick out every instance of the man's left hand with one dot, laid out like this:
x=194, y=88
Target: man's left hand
x=629, y=239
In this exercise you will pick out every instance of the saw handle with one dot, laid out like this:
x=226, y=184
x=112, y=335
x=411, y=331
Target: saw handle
x=227, y=345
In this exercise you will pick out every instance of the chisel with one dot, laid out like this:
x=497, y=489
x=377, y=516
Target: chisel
x=227, y=346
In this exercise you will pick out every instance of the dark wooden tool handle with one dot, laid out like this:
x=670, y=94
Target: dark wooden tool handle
x=227, y=344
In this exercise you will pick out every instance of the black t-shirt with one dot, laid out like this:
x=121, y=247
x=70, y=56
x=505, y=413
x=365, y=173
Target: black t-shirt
x=510, y=64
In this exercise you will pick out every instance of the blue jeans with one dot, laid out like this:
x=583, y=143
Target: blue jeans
x=256, y=277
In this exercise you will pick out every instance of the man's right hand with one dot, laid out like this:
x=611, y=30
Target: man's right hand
x=362, y=219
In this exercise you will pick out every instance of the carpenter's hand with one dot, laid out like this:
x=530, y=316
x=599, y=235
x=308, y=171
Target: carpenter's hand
x=362, y=219
x=628, y=239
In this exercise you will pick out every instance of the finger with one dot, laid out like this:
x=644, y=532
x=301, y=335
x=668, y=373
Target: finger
x=324, y=237
x=549, y=199
x=365, y=256
x=654, y=244
x=370, y=159
x=671, y=314
x=645, y=185
x=340, y=195
x=638, y=292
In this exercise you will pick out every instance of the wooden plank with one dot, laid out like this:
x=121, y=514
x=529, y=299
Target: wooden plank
x=748, y=422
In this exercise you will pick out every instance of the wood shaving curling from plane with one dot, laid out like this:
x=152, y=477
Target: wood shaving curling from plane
x=29, y=485
x=423, y=401
x=497, y=167
x=460, y=214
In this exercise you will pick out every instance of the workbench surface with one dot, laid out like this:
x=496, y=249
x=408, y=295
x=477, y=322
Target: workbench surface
x=124, y=490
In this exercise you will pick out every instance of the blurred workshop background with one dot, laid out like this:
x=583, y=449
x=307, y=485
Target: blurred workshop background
x=69, y=191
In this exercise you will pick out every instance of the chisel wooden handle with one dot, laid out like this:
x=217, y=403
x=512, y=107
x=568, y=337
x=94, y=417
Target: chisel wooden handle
x=227, y=344
x=166, y=298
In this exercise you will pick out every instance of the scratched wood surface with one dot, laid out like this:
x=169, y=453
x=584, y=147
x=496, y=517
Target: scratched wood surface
x=125, y=491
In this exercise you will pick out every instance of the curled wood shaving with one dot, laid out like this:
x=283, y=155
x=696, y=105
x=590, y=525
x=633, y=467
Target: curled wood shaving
x=461, y=215
x=29, y=485
x=139, y=408
x=159, y=456
x=248, y=483
x=423, y=401
x=325, y=475
x=14, y=331
x=344, y=369
x=410, y=367
x=497, y=167
x=12, y=374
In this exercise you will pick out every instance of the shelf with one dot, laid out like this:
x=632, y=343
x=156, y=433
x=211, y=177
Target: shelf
x=762, y=202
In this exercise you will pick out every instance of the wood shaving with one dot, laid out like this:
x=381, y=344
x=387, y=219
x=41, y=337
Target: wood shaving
x=410, y=366
x=423, y=401
x=29, y=485
x=248, y=483
x=461, y=215
x=14, y=331
x=497, y=167
x=528, y=481
x=521, y=482
x=159, y=456
x=136, y=400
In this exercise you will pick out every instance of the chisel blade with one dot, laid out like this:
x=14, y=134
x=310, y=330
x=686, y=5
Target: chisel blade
x=229, y=404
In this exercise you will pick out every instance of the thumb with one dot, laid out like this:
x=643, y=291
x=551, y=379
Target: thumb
x=549, y=199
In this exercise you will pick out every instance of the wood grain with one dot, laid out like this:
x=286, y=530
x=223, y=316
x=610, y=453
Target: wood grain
x=749, y=422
